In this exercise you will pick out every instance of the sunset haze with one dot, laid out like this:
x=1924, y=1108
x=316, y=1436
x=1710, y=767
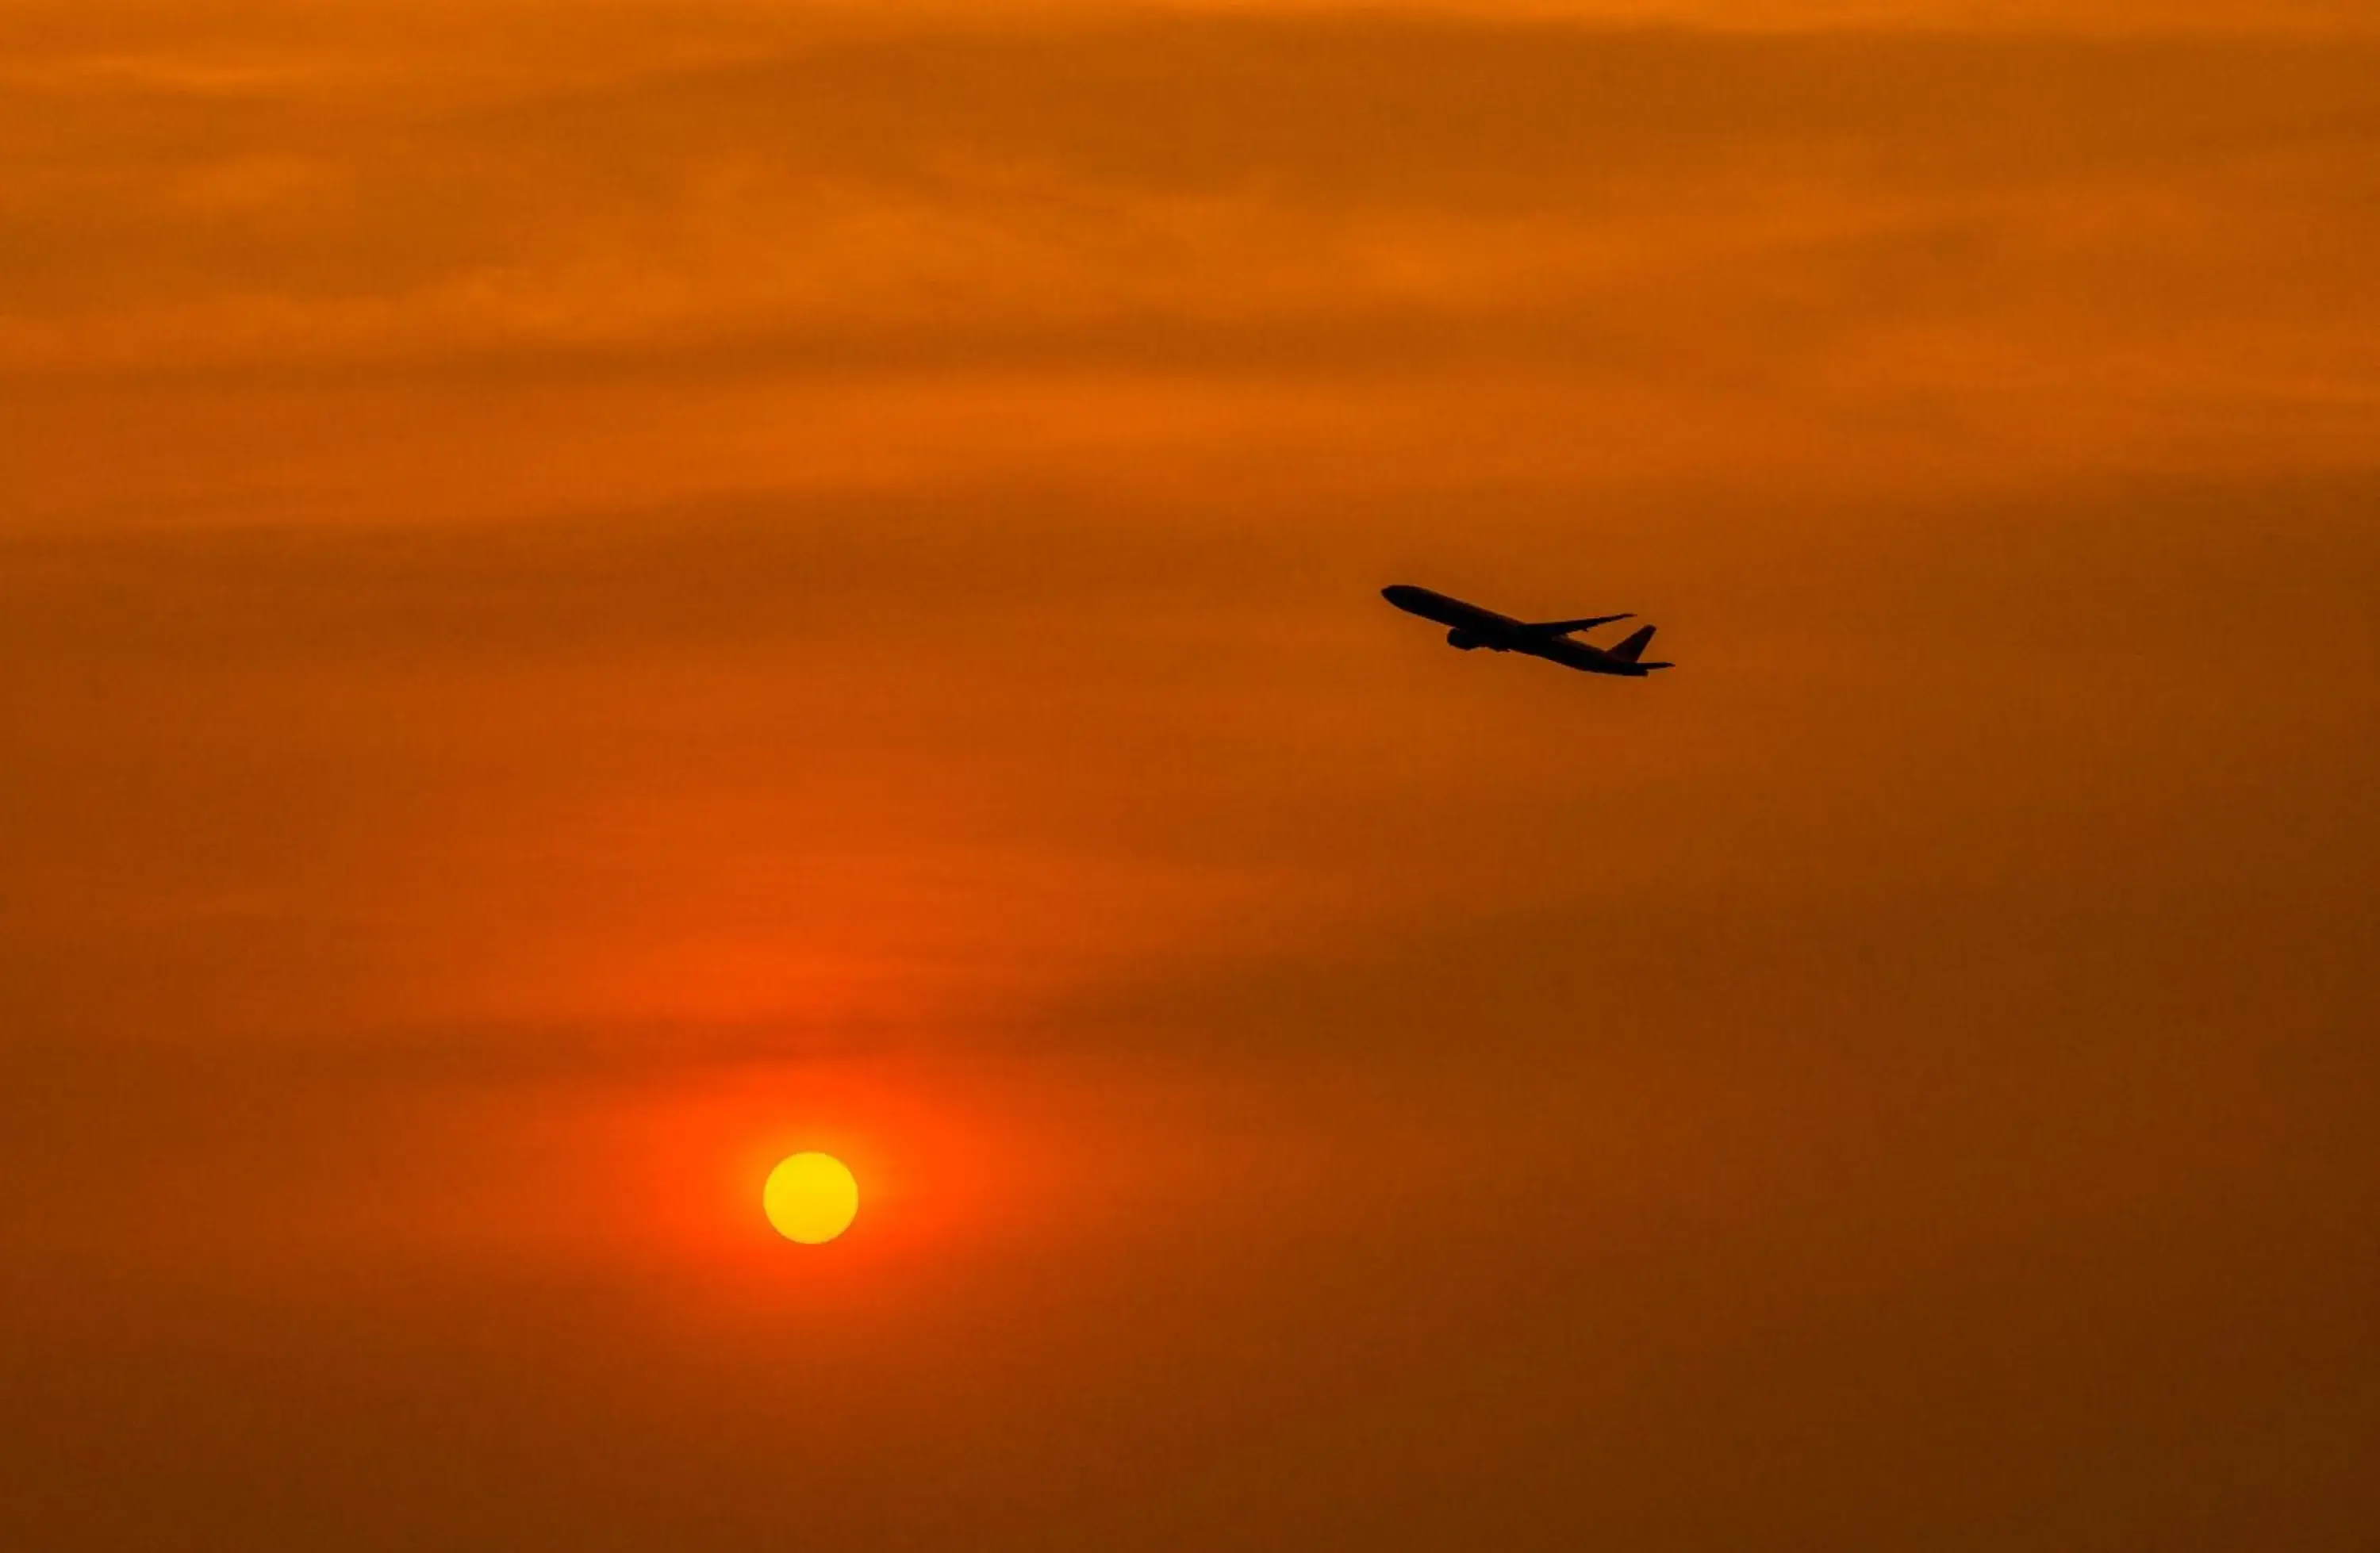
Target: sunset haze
x=593, y=597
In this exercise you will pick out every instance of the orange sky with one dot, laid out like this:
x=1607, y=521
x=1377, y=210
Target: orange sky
x=591, y=596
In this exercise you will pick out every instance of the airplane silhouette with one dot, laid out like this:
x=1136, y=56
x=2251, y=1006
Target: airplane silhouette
x=1549, y=639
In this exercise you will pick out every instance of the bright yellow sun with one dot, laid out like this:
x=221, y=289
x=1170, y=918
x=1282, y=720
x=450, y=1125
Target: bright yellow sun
x=811, y=1197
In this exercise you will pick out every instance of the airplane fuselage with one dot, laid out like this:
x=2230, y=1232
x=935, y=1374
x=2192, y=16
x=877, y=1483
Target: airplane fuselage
x=1470, y=627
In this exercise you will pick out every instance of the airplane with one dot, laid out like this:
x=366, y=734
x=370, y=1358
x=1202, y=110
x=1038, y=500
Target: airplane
x=1551, y=639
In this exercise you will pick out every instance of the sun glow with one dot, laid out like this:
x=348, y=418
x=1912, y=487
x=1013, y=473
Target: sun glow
x=811, y=1197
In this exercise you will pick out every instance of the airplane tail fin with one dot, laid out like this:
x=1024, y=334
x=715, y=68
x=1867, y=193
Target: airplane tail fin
x=1634, y=648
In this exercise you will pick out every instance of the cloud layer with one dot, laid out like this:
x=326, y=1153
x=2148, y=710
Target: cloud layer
x=592, y=596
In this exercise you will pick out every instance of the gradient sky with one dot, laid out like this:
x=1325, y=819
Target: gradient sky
x=593, y=595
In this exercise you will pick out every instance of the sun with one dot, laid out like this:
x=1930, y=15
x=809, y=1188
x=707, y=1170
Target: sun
x=811, y=1197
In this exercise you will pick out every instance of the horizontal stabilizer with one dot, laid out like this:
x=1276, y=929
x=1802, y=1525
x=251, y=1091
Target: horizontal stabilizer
x=1634, y=648
x=1564, y=628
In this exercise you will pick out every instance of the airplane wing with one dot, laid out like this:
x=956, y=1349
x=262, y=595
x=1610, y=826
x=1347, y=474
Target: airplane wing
x=1564, y=628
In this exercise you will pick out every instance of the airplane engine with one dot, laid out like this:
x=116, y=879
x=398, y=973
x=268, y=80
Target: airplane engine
x=1461, y=639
